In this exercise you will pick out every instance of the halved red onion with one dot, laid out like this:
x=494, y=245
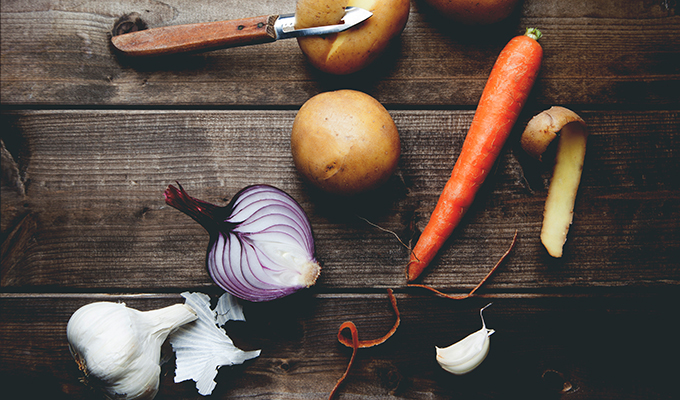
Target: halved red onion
x=261, y=244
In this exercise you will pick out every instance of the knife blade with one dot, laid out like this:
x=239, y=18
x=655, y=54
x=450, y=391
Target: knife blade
x=223, y=34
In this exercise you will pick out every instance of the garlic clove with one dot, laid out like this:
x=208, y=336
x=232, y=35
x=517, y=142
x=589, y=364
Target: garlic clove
x=203, y=347
x=119, y=348
x=468, y=353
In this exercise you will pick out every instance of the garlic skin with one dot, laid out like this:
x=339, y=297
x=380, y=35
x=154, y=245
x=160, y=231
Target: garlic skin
x=201, y=348
x=120, y=347
x=467, y=354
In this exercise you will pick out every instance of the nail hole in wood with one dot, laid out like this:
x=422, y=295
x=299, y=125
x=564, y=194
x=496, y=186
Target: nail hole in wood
x=128, y=23
x=556, y=382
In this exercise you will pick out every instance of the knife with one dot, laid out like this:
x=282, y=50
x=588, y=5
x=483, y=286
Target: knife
x=222, y=34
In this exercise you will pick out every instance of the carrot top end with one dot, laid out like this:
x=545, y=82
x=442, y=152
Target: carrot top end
x=533, y=33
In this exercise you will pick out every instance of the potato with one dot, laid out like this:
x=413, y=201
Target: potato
x=345, y=142
x=571, y=150
x=474, y=12
x=349, y=51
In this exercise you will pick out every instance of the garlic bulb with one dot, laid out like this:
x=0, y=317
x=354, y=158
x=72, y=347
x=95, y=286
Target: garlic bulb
x=466, y=355
x=203, y=347
x=119, y=348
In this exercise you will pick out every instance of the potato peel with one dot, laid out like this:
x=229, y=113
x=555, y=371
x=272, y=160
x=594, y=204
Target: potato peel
x=571, y=149
x=544, y=128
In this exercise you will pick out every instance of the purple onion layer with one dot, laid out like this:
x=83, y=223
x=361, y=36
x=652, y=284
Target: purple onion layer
x=261, y=244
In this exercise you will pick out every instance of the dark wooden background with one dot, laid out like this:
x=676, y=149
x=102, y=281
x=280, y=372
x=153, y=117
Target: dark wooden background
x=90, y=141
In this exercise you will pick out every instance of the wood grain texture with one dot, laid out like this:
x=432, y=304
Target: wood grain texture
x=93, y=215
x=604, y=53
x=540, y=344
x=90, y=140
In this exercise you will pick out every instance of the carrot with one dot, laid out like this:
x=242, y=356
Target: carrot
x=472, y=292
x=504, y=95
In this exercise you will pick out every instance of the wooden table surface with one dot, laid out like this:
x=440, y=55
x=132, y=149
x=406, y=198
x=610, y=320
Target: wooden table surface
x=91, y=140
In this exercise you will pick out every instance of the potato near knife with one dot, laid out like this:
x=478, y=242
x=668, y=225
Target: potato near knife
x=209, y=36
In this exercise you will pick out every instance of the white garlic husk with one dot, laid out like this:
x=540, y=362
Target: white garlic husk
x=467, y=354
x=119, y=348
x=201, y=348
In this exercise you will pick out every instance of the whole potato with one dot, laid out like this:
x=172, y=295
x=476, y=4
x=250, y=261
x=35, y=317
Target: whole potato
x=474, y=12
x=345, y=142
x=349, y=51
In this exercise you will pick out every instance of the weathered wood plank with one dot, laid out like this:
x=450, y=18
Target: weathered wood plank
x=605, y=53
x=92, y=215
x=83, y=217
x=596, y=344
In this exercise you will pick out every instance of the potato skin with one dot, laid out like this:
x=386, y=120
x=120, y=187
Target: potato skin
x=543, y=128
x=474, y=12
x=345, y=142
x=309, y=13
x=350, y=51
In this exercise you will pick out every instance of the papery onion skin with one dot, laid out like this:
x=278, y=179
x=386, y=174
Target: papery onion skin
x=261, y=244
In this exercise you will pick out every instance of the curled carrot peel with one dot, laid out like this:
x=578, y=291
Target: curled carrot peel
x=506, y=91
x=356, y=344
x=370, y=343
x=472, y=292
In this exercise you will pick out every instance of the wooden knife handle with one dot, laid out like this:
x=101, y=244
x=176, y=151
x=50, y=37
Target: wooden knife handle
x=197, y=37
